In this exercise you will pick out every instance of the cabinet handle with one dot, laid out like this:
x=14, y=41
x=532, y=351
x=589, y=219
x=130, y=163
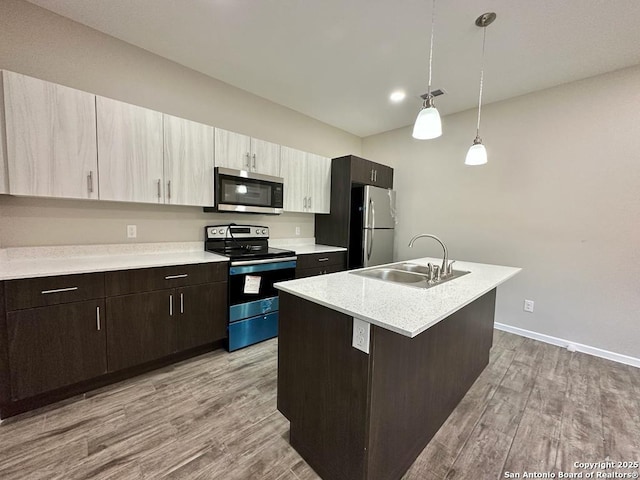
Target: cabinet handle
x=90, y=181
x=309, y=202
x=59, y=290
x=304, y=203
x=325, y=259
x=169, y=189
x=248, y=161
x=375, y=177
x=372, y=174
x=159, y=180
x=171, y=277
x=171, y=305
x=254, y=161
x=98, y=318
x=181, y=303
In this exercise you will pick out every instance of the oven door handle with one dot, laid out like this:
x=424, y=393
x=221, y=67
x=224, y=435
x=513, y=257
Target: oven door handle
x=244, y=267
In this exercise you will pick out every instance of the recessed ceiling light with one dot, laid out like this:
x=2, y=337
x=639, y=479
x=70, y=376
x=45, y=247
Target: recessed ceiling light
x=397, y=96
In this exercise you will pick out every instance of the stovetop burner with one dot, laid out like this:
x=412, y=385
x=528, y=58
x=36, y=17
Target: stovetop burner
x=242, y=242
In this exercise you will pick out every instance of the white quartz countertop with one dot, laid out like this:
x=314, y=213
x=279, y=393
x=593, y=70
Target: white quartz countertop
x=19, y=263
x=304, y=246
x=398, y=307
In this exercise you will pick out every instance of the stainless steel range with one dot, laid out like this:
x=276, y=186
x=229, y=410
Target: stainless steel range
x=253, y=269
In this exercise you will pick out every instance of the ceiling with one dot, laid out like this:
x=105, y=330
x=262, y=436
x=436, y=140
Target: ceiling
x=338, y=60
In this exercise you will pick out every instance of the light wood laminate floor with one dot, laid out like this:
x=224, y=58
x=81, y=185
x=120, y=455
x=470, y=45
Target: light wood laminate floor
x=535, y=408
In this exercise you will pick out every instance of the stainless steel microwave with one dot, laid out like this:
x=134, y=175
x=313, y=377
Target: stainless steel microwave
x=242, y=191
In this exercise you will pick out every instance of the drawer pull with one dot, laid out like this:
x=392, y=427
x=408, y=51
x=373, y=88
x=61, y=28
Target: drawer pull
x=181, y=303
x=171, y=305
x=59, y=290
x=98, y=318
x=325, y=259
x=171, y=277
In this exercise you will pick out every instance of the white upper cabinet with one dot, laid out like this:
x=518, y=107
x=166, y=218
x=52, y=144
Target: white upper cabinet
x=265, y=157
x=307, y=181
x=319, y=173
x=130, y=152
x=293, y=169
x=232, y=150
x=188, y=162
x=4, y=173
x=241, y=152
x=50, y=139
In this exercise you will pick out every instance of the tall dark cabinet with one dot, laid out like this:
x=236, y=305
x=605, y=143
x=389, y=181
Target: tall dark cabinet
x=347, y=172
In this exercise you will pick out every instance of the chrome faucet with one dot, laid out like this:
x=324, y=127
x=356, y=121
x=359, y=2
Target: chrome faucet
x=446, y=267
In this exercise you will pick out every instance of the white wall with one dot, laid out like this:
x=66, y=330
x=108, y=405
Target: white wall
x=559, y=197
x=42, y=44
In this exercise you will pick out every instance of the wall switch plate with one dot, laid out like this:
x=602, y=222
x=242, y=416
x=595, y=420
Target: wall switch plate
x=297, y=231
x=132, y=231
x=528, y=305
x=361, y=335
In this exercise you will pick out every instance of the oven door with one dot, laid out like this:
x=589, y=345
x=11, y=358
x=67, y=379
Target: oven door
x=251, y=290
x=242, y=191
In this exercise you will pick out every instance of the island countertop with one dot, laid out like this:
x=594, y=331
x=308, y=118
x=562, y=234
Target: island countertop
x=397, y=307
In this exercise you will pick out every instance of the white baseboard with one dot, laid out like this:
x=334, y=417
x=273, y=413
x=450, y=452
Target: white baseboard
x=578, y=347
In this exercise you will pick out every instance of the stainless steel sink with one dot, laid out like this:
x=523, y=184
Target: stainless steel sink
x=406, y=273
x=391, y=275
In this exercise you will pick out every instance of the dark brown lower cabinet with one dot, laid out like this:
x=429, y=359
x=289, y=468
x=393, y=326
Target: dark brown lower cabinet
x=202, y=314
x=51, y=347
x=146, y=326
x=141, y=328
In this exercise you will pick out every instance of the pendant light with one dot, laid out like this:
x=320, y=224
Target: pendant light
x=428, y=124
x=477, y=154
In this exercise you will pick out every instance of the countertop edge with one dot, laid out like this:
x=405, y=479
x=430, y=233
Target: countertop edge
x=98, y=264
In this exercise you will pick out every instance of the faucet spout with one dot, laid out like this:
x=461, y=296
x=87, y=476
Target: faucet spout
x=445, y=269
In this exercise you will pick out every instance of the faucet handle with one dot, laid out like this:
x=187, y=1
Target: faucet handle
x=430, y=272
x=450, y=267
x=436, y=272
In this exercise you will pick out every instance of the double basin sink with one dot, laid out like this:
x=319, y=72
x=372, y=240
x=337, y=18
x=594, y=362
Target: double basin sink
x=408, y=274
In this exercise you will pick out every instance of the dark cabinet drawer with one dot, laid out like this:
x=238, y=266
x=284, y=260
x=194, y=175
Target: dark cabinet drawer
x=140, y=280
x=313, y=271
x=43, y=291
x=322, y=259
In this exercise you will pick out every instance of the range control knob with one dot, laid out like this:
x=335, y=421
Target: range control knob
x=264, y=230
x=221, y=231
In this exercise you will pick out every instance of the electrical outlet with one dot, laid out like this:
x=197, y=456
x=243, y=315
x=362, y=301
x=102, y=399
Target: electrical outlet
x=528, y=305
x=132, y=231
x=361, y=334
x=297, y=231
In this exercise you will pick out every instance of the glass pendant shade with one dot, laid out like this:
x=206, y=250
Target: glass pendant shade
x=477, y=155
x=428, y=124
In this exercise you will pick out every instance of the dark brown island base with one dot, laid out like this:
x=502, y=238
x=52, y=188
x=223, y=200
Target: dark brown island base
x=359, y=416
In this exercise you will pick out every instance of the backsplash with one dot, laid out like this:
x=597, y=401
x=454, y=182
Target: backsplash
x=30, y=222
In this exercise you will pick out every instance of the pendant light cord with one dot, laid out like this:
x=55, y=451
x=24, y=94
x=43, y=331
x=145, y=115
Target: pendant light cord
x=433, y=23
x=484, y=38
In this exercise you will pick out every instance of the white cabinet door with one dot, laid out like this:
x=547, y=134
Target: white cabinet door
x=233, y=150
x=265, y=157
x=4, y=172
x=319, y=176
x=51, y=139
x=130, y=152
x=293, y=169
x=188, y=162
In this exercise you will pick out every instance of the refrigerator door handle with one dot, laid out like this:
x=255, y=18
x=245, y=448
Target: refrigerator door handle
x=371, y=214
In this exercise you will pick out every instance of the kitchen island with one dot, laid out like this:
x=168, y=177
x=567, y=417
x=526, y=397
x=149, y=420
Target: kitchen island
x=368, y=412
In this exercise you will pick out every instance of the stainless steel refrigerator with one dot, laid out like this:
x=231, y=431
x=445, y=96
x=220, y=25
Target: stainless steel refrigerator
x=373, y=220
